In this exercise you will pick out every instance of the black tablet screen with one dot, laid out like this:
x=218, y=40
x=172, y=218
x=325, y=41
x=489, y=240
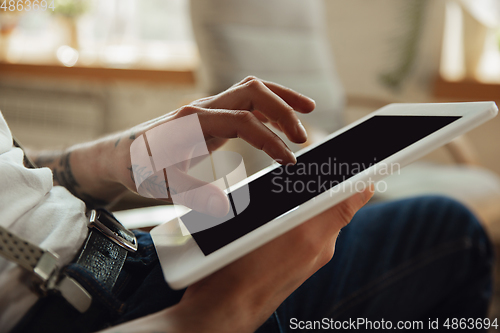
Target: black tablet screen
x=317, y=171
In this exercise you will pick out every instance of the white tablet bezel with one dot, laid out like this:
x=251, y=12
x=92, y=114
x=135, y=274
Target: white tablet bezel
x=185, y=264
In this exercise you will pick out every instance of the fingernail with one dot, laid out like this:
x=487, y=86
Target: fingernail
x=300, y=130
x=291, y=156
x=284, y=153
x=215, y=205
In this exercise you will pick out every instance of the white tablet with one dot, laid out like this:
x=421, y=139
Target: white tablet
x=282, y=197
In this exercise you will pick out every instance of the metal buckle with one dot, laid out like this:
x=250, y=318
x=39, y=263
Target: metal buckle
x=109, y=226
x=75, y=294
x=47, y=279
x=45, y=273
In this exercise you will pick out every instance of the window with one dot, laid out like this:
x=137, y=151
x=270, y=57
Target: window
x=471, y=41
x=146, y=34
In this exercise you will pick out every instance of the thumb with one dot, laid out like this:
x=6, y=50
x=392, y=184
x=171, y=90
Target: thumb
x=198, y=195
x=344, y=211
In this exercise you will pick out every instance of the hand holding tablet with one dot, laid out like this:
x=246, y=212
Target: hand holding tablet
x=282, y=197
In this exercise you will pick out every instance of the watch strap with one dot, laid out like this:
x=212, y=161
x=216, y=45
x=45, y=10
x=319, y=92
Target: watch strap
x=18, y=250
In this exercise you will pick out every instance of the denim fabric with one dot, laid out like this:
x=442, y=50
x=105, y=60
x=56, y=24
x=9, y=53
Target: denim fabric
x=407, y=260
x=413, y=259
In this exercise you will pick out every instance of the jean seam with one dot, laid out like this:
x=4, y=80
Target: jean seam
x=400, y=272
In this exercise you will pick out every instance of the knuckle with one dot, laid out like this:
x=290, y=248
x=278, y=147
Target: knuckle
x=345, y=211
x=273, y=141
x=254, y=83
x=244, y=117
x=187, y=110
x=316, y=249
x=287, y=117
x=310, y=246
x=250, y=78
x=326, y=256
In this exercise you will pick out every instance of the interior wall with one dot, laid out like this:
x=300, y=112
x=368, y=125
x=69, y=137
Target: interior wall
x=368, y=39
x=364, y=36
x=53, y=114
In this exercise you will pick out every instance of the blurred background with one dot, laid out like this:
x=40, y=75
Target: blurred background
x=73, y=70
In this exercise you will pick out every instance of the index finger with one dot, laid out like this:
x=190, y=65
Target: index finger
x=297, y=101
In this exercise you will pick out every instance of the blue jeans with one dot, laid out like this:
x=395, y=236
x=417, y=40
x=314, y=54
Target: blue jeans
x=409, y=262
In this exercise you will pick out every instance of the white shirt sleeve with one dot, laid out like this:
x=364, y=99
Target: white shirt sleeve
x=33, y=209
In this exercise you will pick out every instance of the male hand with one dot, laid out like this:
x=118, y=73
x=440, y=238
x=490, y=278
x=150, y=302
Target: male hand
x=240, y=112
x=242, y=295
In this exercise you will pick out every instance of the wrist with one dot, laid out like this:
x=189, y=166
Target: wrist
x=112, y=156
x=93, y=167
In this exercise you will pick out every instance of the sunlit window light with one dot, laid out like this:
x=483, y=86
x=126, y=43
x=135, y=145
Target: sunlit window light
x=106, y=33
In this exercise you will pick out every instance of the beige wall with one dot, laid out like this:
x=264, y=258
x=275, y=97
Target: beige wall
x=45, y=113
x=363, y=35
x=366, y=37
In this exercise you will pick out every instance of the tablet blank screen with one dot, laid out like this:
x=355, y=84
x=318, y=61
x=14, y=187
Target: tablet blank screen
x=317, y=171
